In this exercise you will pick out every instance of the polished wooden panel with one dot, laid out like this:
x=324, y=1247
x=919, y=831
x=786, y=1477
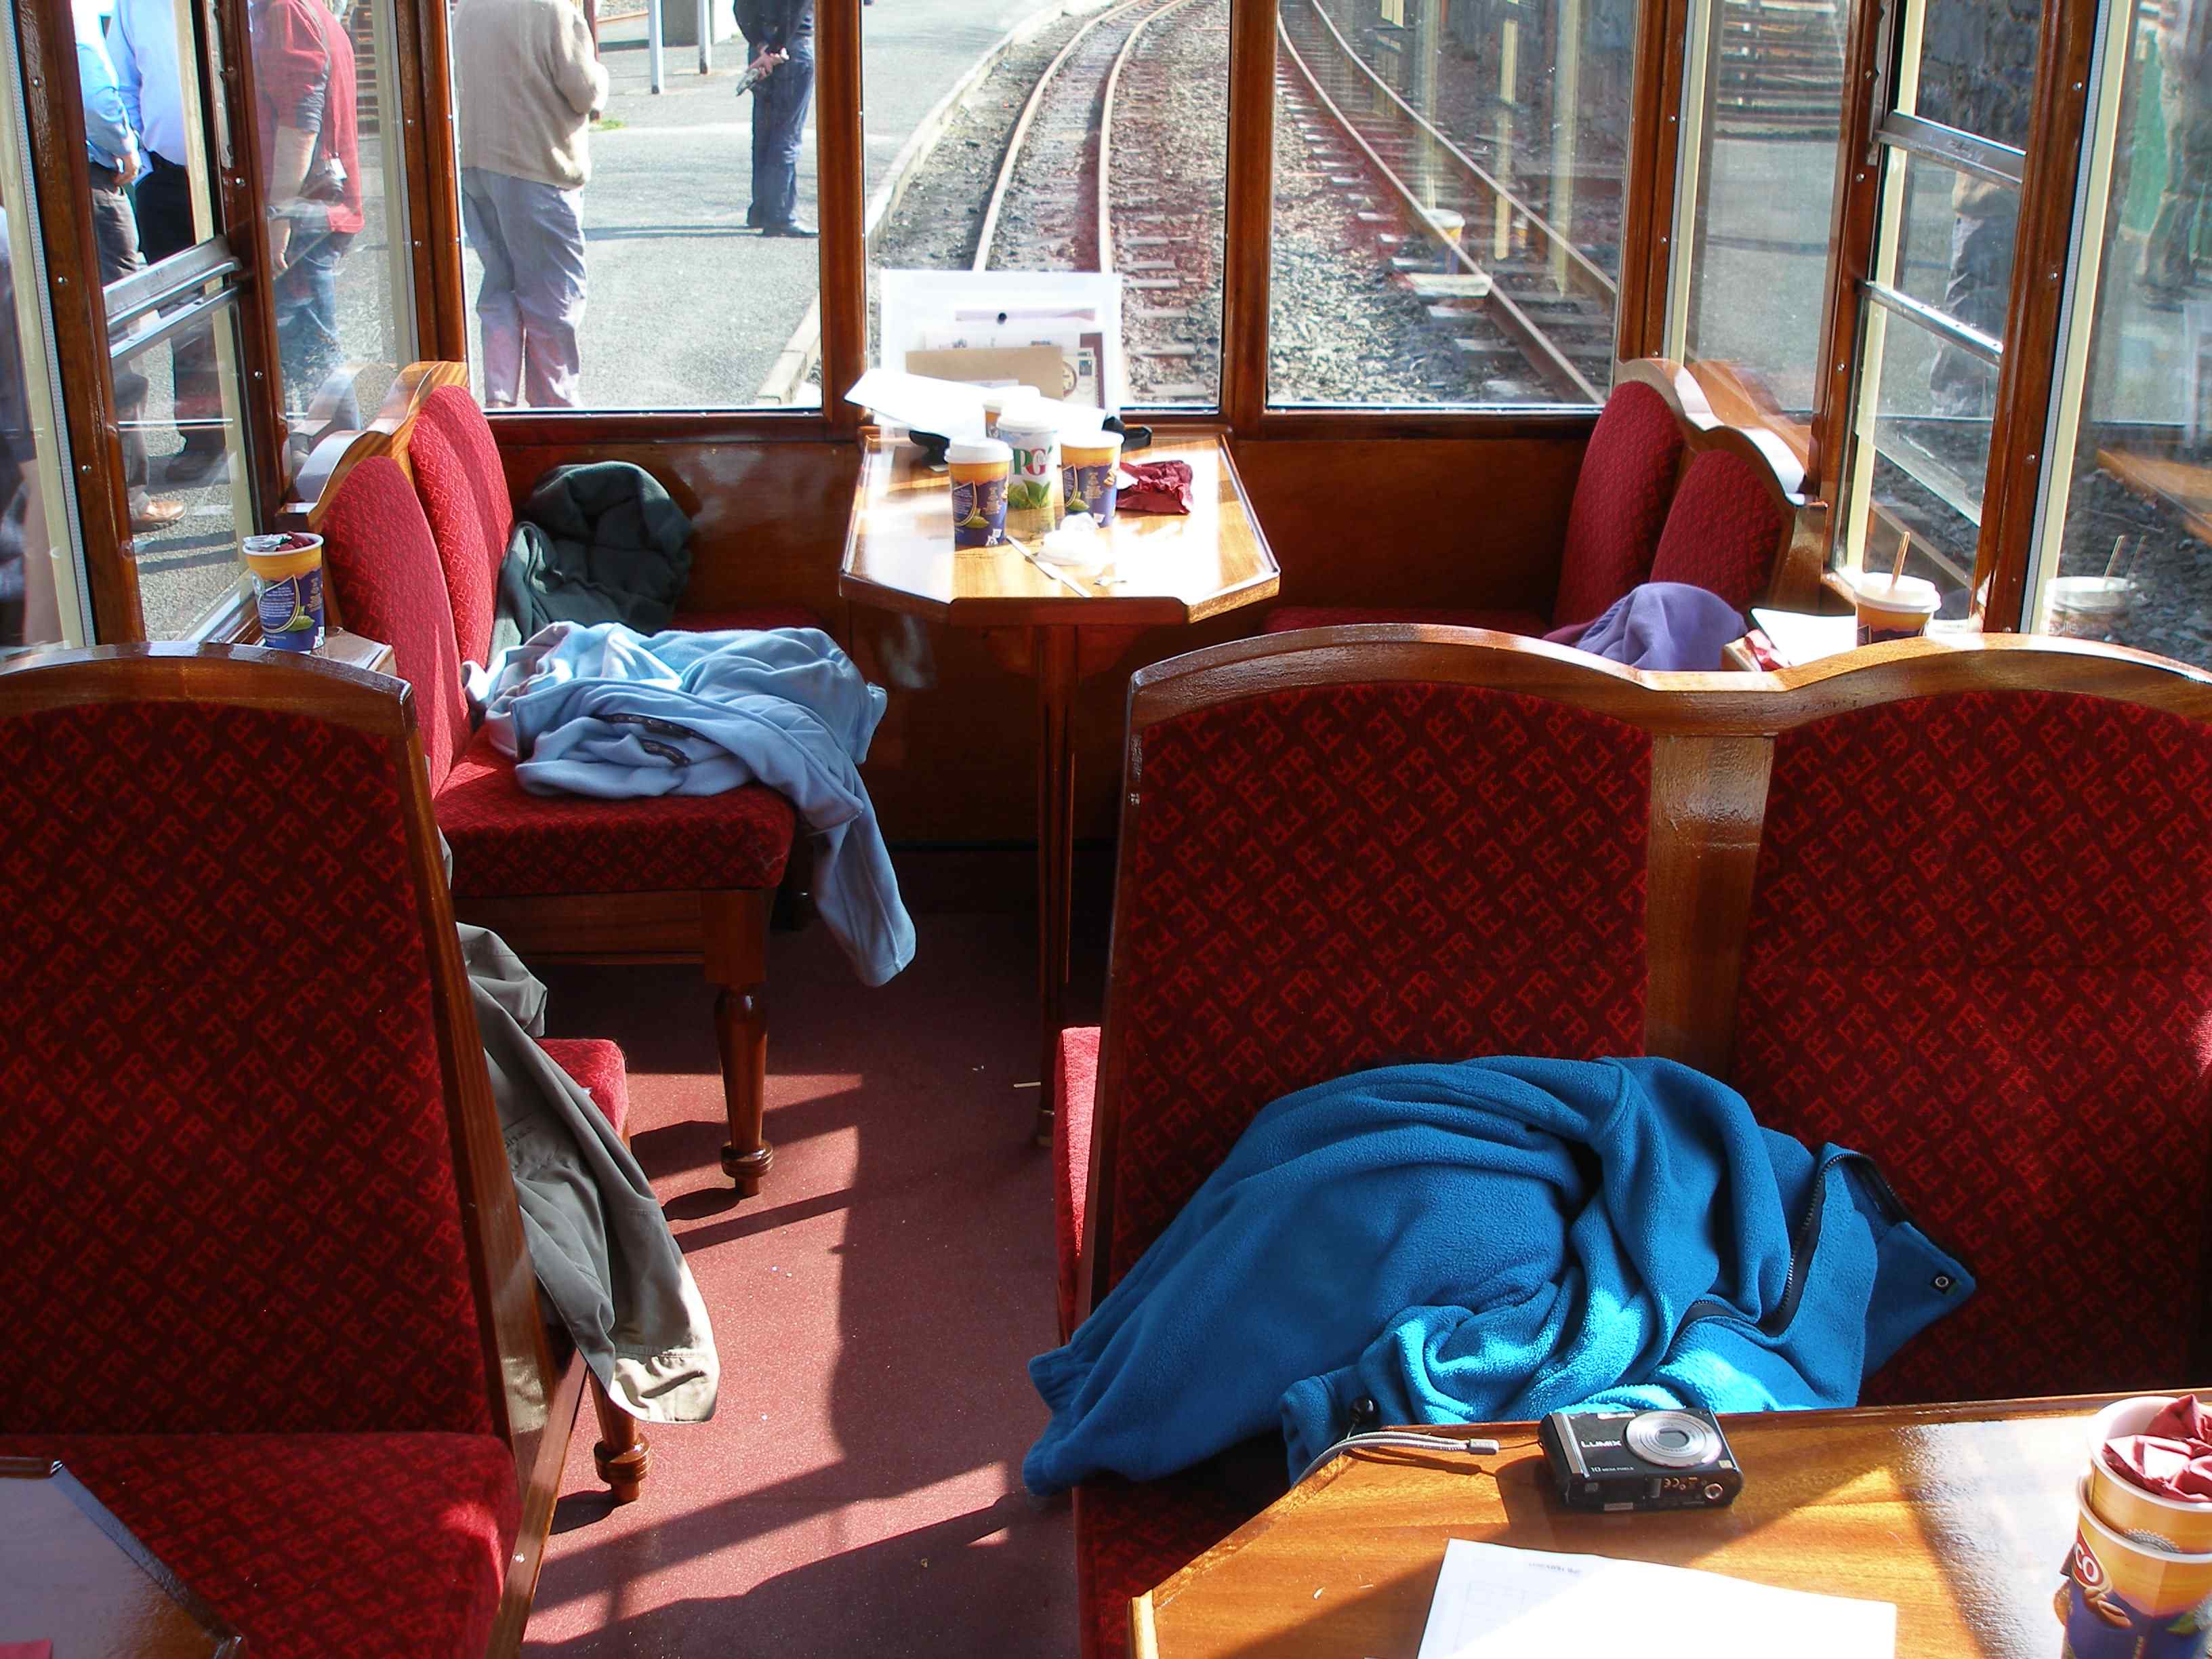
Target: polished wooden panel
x=1648, y=207
x=1248, y=225
x=1856, y=200
x=899, y=553
x=2043, y=247
x=840, y=148
x=1960, y=1515
x=1708, y=803
x=74, y=1575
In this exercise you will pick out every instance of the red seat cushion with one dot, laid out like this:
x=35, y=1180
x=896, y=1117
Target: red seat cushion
x=1724, y=530
x=1076, y=1085
x=597, y=1064
x=1285, y=619
x=508, y=843
x=365, y=1545
x=1622, y=494
x=1128, y=1537
x=1980, y=950
x=759, y=616
x=384, y=577
x=463, y=492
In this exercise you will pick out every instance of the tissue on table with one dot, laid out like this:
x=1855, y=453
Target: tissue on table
x=1077, y=545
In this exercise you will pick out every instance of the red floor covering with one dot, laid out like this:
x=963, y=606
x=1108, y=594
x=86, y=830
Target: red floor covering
x=858, y=1491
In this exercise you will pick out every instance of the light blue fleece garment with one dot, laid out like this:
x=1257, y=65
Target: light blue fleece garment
x=1490, y=1242
x=607, y=711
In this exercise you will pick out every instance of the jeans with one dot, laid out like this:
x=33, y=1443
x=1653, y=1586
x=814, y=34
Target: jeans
x=306, y=300
x=2169, y=265
x=779, y=124
x=165, y=227
x=115, y=233
x=530, y=239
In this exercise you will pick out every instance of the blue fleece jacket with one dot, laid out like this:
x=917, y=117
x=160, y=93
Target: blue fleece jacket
x=607, y=711
x=1490, y=1241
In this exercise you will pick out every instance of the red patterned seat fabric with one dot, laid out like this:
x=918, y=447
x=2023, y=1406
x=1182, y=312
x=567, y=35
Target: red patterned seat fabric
x=1128, y=1538
x=366, y=1544
x=384, y=574
x=463, y=492
x=219, y=1014
x=1285, y=619
x=597, y=1064
x=759, y=616
x=1981, y=950
x=1078, y=1083
x=1622, y=494
x=509, y=842
x=1723, y=531
x=1326, y=878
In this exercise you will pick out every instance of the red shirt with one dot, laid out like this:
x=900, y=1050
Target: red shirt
x=304, y=79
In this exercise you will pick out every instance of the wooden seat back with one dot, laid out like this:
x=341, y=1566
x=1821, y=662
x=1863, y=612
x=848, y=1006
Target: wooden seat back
x=1852, y=889
x=260, y=1175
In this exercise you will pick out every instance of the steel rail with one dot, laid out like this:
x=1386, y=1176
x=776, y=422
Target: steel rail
x=1536, y=345
x=1020, y=135
x=1106, y=131
x=1600, y=284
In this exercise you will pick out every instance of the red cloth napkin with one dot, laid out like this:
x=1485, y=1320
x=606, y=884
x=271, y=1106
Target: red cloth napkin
x=2172, y=1457
x=1154, y=486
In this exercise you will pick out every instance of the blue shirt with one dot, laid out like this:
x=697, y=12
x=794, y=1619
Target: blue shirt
x=108, y=132
x=141, y=39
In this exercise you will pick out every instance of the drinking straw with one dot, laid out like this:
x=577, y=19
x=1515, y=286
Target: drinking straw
x=1897, y=565
x=2113, y=564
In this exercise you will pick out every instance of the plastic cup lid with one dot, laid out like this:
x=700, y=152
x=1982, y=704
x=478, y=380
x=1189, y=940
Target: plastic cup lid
x=975, y=451
x=1905, y=593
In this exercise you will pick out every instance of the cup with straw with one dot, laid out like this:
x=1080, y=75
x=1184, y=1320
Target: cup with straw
x=1892, y=605
x=2094, y=607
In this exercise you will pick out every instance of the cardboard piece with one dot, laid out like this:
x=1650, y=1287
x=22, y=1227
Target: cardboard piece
x=1040, y=366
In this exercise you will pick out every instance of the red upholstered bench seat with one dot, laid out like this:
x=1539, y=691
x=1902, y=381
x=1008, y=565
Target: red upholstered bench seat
x=510, y=843
x=1283, y=618
x=314, y=1545
x=1077, y=1085
x=597, y=1064
x=1128, y=1537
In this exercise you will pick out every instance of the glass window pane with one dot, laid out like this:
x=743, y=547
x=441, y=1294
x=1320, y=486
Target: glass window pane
x=184, y=449
x=1920, y=469
x=1975, y=66
x=1165, y=160
x=1763, y=192
x=1426, y=154
x=41, y=588
x=2141, y=482
x=335, y=183
x=659, y=255
x=1958, y=232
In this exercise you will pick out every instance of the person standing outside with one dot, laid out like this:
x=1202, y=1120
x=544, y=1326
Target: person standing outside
x=112, y=159
x=529, y=83
x=303, y=78
x=2185, y=98
x=779, y=34
x=142, y=41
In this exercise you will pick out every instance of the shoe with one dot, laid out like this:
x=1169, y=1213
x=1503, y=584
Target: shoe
x=191, y=464
x=793, y=228
x=151, y=514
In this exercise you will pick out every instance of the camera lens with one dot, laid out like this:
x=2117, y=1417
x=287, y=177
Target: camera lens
x=1675, y=1440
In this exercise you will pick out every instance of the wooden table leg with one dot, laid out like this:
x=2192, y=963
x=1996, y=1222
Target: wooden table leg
x=1056, y=662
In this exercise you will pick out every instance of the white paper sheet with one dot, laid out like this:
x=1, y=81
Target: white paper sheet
x=1800, y=638
x=1494, y=1602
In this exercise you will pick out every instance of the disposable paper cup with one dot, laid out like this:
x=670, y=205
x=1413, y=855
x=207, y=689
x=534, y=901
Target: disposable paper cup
x=2089, y=607
x=1033, y=493
x=287, y=588
x=997, y=399
x=2125, y=1601
x=980, y=468
x=1091, y=473
x=2144, y=1517
x=1893, y=609
x=1449, y=227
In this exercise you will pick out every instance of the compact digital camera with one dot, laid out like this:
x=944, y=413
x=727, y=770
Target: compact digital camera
x=1657, y=1460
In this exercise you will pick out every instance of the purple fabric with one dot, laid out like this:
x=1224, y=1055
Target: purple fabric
x=1658, y=625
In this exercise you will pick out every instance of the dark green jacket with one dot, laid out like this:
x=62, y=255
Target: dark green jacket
x=593, y=544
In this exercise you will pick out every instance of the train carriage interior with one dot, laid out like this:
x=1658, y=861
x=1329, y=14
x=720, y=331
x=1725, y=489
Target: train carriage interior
x=1186, y=829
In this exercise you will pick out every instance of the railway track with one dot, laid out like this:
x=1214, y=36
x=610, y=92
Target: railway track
x=1097, y=177
x=1538, y=298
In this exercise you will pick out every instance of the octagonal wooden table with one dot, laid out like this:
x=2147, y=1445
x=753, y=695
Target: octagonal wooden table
x=1165, y=570
x=1962, y=1515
